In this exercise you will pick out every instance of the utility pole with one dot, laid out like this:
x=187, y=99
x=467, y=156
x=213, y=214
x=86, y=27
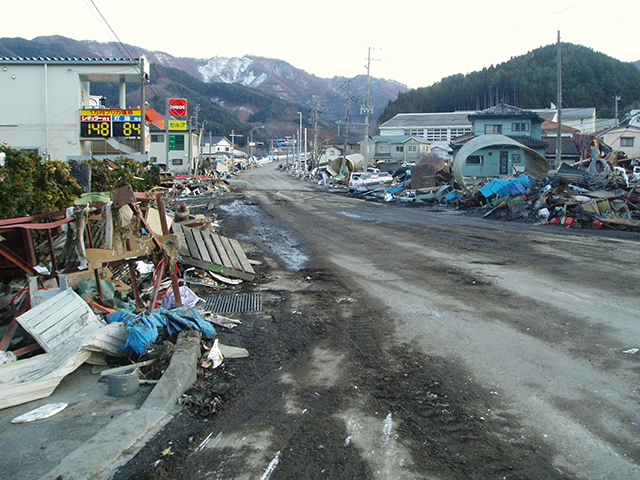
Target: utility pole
x=300, y=141
x=143, y=113
x=368, y=110
x=233, y=147
x=559, y=134
x=314, y=163
x=346, y=132
x=617, y=98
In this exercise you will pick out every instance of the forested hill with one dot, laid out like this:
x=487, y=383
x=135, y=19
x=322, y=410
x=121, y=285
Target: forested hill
x=589, y=79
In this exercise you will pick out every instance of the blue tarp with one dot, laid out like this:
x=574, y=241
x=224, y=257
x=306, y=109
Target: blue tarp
x=142, y=329
x=506, y=186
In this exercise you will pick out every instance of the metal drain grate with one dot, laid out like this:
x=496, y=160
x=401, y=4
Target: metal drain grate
x=246, y=302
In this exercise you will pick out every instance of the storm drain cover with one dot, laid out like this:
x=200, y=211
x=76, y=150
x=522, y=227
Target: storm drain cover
x=246, y=302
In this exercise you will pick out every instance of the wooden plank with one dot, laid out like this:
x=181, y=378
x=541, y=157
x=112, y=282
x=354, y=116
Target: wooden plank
x=222, y=270
x=215, y=258
x=177, y=229
x=232, y=255
x=226, y=261
x=244, y=261
x=191, y=244
x=202, y=247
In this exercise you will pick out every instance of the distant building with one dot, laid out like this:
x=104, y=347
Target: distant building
x=511, y=130
x=571, y=139
x=626, y=136
x=396, y=149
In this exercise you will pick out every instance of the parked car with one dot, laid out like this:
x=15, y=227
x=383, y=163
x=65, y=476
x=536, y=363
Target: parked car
x=367, y=181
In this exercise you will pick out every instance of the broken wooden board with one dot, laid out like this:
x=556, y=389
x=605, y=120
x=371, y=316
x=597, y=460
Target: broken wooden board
x=37, y=377
x=212, y=252
x=59, y=320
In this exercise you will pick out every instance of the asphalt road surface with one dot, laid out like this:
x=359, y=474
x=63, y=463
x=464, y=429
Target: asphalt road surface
x=418, y=342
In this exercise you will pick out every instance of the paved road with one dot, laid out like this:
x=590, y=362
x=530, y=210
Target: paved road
x=473, y=349
x=541, y=319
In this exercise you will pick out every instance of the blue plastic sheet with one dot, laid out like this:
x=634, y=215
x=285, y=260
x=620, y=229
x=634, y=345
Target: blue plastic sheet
x=506, y=186
x=143, y=329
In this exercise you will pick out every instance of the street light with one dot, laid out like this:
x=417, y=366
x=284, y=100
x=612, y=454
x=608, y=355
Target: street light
x=251, y=140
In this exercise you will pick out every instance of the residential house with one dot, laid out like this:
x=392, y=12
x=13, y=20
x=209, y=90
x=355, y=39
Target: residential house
x=571, y=142
x=583, y=119
x=512, y=131
x=217, y=146
x=392, y=150
x=626, y=136
x=440, y=129
x=330, y=154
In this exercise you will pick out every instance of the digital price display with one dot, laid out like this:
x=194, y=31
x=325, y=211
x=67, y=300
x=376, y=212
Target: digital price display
x=125, y=129
x=107, y=123
x=95, y=129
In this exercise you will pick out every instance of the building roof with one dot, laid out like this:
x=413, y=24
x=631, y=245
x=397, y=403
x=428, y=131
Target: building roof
x=552, y=127
x=569, y=148
x=421, y=120
x=397, y=138
x=525, y=140
x=503, y=110
x=217, y=139
x=567, y=113
x=69, y=60
x=131, y=74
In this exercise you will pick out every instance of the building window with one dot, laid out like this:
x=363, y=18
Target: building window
x=516, y=158
x=458, y=132
x=383, y=149
x=436, y=134
x=493, y=129
x=418, y=132
x=400, y=148
x=475, y=160
x=627, y=141
x=519, y=127
x=177, y=161
x=153, y=159
x=157, y=138
x=412, y=148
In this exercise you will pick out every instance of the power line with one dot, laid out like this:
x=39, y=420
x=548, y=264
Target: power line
x=112, y=31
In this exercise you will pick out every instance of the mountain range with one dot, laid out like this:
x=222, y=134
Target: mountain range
x=300, y=90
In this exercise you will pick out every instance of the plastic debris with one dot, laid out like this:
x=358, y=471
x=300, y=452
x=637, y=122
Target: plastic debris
x=40, y=413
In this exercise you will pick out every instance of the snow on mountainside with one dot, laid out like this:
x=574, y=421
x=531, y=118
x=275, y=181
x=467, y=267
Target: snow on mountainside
x=272, y=76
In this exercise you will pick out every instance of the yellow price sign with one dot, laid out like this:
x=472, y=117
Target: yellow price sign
x=177, y=124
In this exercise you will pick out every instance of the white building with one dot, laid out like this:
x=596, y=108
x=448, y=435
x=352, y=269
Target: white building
x=42, y=99
x=47, y=107
x=626, y=136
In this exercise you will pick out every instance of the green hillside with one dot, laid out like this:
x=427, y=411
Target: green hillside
x=589, y=79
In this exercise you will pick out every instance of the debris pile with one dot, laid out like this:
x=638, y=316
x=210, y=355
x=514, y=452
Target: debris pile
x=594, y=192
x=108, y=282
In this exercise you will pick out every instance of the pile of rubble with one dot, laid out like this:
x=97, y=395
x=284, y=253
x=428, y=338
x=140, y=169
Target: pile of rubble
x=594, y=192
x=102, y=282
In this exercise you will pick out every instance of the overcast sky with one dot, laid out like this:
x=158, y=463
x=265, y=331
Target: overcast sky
x=418, y=44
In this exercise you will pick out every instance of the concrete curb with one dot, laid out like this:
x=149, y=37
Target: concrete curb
x=121, y=439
